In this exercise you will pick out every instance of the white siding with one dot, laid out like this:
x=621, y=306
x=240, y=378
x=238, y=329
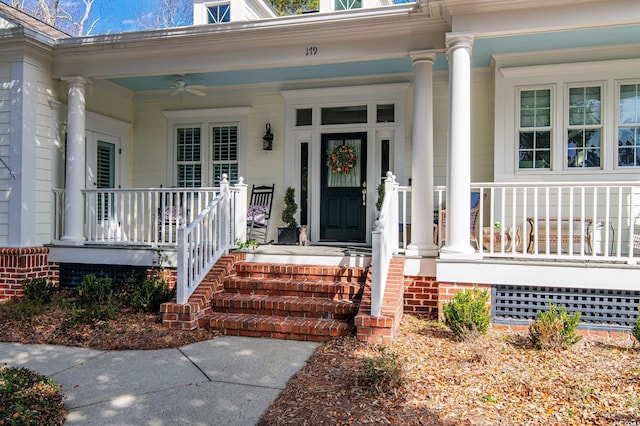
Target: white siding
x=5, y=105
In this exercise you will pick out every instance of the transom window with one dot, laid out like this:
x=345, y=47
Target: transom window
x=218, y=13
x=348, y=4
x=534, y=133
x=629, y=125
x=584, y=127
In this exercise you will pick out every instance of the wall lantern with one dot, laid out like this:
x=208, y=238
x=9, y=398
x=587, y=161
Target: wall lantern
x=267, y=139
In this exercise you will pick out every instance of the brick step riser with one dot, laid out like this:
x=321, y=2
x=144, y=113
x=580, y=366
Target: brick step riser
x=270, y=288
x=286, y=304
x=272, y=328
x=280, y=313
x=301, y=272
x=283, y=336
x=301, y=277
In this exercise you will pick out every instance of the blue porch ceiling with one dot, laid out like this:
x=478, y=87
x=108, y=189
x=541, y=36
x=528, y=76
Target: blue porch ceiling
x=483, y=49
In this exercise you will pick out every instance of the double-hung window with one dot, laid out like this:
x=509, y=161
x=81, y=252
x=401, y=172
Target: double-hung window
x=534, y=129
x=194, y=159
x=629, y=125
x=188, y=157
x=584, y=126
x=224, y=152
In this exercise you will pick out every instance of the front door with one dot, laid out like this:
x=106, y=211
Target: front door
x=343, y=209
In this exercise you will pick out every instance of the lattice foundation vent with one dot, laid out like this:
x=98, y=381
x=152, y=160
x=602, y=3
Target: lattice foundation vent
x=599, y=309
x=71, y=274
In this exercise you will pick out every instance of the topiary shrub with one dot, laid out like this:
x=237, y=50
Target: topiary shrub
x=636, y=328
x=554, y=329
x=94, y=291
x=467, y=315
x=39, y=290
x=290, y=208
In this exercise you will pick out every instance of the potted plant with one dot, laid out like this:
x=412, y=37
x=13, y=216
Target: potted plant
x=289, y=233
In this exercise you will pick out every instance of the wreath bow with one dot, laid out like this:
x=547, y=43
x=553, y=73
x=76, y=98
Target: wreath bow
x=342, y=159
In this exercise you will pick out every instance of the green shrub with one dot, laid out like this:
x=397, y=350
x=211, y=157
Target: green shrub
x=20, y=310
x=636, y=328
x=148, y=295
x=94, y=291
x=467, y=315
x=39, y=290
x=27, y=398
x=554, y=329
x=381, y=372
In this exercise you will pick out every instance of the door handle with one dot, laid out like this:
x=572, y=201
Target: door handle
x=364, y=193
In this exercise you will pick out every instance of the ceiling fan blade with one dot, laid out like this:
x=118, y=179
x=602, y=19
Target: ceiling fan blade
x=194, y=91
x=175, y=92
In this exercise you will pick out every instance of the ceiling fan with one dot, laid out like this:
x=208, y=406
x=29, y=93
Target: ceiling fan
x=182, y=86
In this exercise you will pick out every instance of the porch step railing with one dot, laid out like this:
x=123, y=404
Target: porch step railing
x=202, y=242
x=384, y=243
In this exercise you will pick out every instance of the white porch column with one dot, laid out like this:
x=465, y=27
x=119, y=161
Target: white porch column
x=76, y=164
x=421, y=243
x=459, y=46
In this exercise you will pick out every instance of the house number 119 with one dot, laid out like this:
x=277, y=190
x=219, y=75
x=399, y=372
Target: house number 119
x=312, y=51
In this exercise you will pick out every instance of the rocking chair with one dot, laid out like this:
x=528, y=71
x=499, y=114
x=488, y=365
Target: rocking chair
x=259, y=211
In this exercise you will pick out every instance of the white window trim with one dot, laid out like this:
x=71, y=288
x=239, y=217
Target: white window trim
x=509, y=78
x=604, y=126
x=616, y=114
x=206, y=119
x=552, y=128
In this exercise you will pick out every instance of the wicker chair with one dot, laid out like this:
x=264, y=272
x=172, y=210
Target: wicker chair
x=440, y=224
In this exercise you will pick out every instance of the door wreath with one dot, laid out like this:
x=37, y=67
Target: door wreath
x=342, y=159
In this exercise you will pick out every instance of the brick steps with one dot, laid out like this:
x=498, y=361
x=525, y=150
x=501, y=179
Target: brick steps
x=292, y=287
x=297, y=302
x=278, y=327
x=305, y=307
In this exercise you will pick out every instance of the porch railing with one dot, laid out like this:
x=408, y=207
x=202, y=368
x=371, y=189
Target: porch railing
x=595, y=221
x=384, y=243
x=568, y=220
x=135, y=216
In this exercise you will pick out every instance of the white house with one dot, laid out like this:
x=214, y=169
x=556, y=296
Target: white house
x=534, y=105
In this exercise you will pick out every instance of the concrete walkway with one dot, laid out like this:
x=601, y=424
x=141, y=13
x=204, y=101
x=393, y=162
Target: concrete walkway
x=224, y=381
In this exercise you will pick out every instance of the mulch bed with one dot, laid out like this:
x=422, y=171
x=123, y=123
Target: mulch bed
x=498, y=379
x=494, y=380
x=130, y=331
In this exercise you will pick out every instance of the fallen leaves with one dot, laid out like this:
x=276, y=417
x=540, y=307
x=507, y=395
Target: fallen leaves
x=499, y=379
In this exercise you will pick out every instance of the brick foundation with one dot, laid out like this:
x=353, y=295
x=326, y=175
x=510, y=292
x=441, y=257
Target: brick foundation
x=18, y=264
x=421, y=296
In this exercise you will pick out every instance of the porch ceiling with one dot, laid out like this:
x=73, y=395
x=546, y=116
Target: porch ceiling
x=270, y=75
x=484, y=49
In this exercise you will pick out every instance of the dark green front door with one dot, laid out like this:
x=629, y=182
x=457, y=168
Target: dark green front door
x=343, y=207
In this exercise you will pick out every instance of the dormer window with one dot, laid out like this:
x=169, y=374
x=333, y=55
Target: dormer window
x=348, y=4
x=218, y=13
